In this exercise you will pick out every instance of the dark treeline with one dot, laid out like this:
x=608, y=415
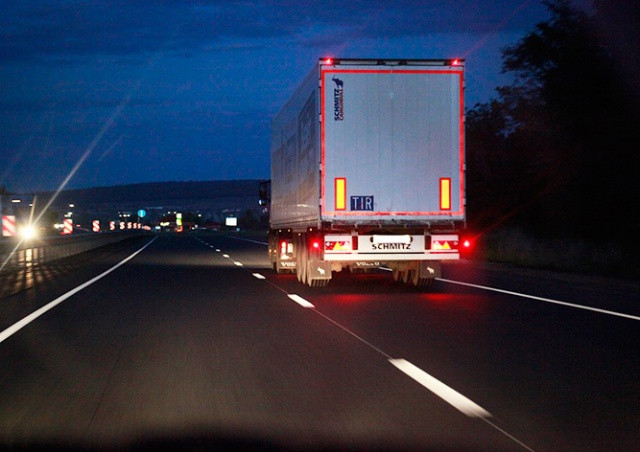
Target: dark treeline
x=556, y=152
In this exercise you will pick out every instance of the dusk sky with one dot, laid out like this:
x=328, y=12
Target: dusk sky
x=185, y=90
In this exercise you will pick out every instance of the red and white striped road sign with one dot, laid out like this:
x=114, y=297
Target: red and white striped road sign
x=112, y=225
x=95, y=225
x=122, y=225
x=128, y=225
x=8, y=225
x=67, y=226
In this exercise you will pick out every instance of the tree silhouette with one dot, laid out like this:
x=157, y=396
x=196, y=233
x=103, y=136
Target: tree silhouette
x=556, y=153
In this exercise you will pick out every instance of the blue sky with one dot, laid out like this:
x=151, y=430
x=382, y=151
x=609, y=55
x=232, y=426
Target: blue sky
x=185, y=90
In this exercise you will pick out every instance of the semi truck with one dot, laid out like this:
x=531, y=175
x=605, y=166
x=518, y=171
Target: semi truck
x=368, y=170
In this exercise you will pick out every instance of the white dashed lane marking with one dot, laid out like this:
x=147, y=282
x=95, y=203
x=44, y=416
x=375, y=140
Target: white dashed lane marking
x=301, y=301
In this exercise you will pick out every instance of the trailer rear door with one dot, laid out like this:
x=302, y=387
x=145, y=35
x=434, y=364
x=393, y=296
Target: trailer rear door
x=392, y=142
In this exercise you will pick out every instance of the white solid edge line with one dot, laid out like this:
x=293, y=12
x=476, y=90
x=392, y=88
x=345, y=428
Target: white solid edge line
x=440, y=389
x=239, y=264
x=37, y=313
x=258, y=275
x=301, y=301
x=546, y=300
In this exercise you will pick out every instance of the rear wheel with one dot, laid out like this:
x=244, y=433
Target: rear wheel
x=301, y=259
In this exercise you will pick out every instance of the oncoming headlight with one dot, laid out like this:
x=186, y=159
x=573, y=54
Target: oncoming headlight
x=28, y=232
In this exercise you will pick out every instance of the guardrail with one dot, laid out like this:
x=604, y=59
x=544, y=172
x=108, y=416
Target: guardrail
x=39, y=251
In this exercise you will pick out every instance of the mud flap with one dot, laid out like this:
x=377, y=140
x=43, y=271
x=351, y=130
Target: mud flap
x=429, y=269
x=285, y=266
x=319, y=270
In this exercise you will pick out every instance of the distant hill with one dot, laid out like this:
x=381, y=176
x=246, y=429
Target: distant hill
x=155, y=191
x=211, y=199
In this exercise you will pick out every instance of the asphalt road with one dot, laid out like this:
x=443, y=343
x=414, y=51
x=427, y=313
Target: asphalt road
x=185, y=344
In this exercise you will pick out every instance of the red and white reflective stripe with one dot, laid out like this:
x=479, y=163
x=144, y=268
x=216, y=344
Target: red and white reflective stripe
x=67, y=226
x=8, y=225
x=122, y=225
x=95, y=225
x=112, y=225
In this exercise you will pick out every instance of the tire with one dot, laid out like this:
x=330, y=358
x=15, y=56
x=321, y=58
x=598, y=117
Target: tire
x=302, y=261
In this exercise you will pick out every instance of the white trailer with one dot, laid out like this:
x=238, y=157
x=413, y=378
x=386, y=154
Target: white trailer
x=367, y=169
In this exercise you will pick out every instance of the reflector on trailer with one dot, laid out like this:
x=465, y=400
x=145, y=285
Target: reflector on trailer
x=444, y=245
x=445, y=193
x=341, y=245
x=341, y=193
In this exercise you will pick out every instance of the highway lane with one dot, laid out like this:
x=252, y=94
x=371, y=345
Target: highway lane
x=181, y=344
x=556, y=376
x=184, y=343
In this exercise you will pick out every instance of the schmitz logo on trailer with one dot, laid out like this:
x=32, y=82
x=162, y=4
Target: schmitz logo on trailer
x=338, y=100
